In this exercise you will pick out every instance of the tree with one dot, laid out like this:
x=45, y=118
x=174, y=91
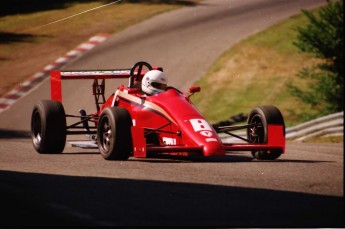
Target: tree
x=323, y=37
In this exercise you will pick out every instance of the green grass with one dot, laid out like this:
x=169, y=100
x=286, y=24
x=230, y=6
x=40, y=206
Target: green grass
x=254, y=72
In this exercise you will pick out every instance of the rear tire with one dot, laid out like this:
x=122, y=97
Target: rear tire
x=264, y=115
x=114, y=134
x=48, y=127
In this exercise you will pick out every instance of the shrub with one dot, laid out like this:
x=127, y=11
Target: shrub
x=323, y=37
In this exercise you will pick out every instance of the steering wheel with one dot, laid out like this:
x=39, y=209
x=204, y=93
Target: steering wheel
x=136, y=77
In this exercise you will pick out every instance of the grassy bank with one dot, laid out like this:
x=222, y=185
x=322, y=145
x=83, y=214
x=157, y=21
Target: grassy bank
x=256, y=71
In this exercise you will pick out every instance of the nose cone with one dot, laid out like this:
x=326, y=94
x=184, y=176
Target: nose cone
x=213, y=149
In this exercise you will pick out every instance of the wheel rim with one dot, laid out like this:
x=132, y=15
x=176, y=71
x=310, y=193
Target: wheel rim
x=257, y=132
x=107, y=134
x=37, y=128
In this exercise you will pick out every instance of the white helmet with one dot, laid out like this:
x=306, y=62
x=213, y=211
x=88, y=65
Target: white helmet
x=154, y=81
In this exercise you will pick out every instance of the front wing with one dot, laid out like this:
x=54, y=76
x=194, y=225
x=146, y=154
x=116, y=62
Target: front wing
x=276, y=141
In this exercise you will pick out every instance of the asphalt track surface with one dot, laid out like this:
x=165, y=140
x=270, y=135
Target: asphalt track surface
x=303, y=188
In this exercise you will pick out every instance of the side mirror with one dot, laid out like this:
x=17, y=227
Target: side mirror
x=192, y=90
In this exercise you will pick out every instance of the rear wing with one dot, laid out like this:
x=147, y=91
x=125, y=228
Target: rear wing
x=56, y=76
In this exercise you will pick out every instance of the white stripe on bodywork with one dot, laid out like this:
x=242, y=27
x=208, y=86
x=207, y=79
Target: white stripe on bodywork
x=114, y=99
x=147, y=104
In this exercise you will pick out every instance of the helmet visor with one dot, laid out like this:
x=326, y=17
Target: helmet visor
x=160, y=86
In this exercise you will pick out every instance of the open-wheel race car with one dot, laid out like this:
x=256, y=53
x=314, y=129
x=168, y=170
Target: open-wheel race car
x=133, y=123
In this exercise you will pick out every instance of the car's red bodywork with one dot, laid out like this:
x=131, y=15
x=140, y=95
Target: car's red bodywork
x=176, y=124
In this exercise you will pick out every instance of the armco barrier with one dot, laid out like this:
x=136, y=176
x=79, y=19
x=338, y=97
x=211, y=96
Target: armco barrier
x=332, y=124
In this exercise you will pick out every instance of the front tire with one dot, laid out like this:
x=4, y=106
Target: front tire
x=48, y=127
x=261, y=116
x=114, y=134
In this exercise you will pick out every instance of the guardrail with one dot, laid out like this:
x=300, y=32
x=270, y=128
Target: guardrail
x=332, y=124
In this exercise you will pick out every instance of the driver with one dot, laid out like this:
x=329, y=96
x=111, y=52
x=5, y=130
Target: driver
x=154, y=82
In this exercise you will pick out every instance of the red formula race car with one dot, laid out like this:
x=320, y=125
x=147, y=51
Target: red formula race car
x=132, y=123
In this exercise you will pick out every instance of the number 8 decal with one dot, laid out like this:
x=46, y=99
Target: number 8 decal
x=200, y=125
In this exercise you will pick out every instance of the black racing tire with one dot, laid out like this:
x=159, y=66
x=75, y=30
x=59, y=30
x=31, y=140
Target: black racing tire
x=48, y=127
x=264, y=115
x=114, y=133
